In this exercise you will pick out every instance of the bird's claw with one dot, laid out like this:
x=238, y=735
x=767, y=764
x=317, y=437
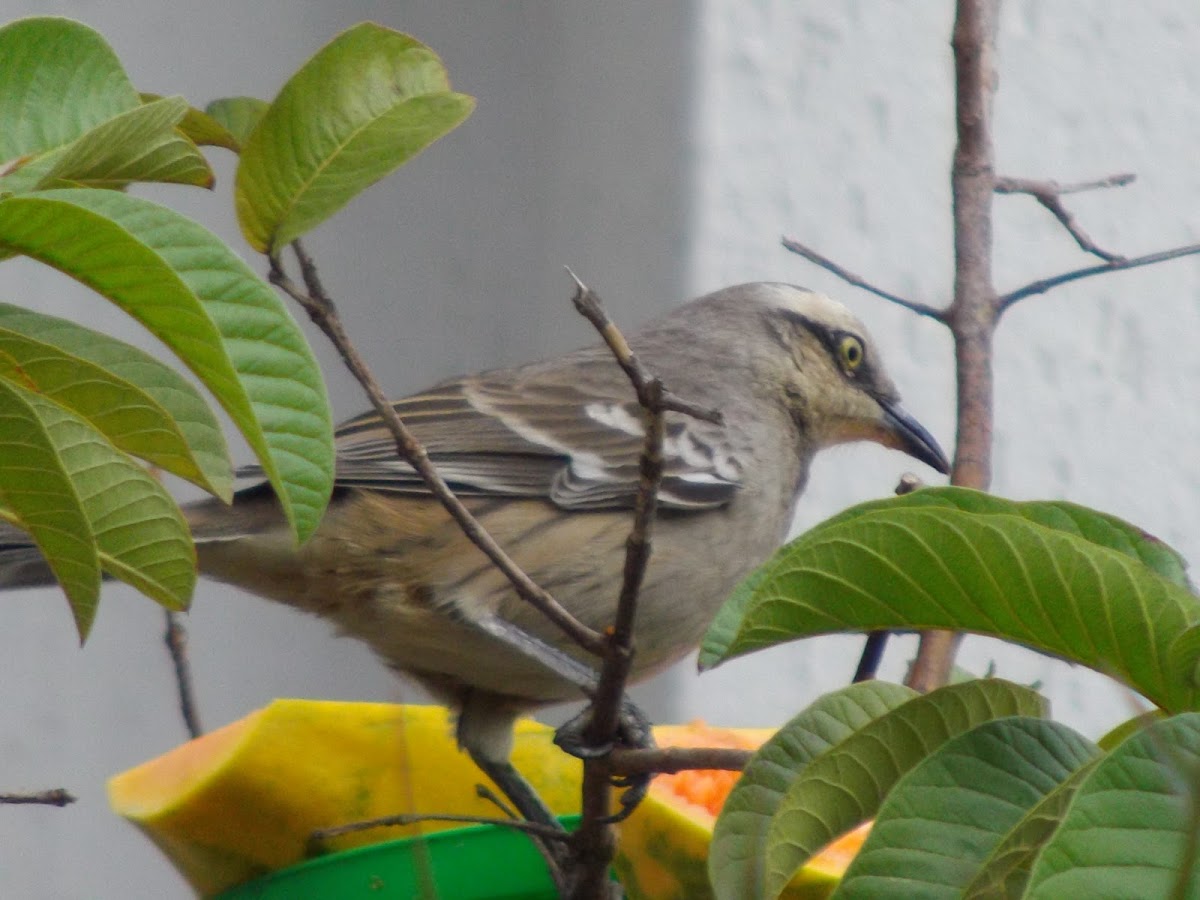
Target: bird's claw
x=633, y=731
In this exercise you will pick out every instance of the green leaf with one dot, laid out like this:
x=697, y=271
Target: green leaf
x=199, y=127
x=1099, y=528
x=238, y=116
x=1006, y=870
x=898, y=566
x=37, y=495
x=364, y=104
x=139, y=145
x=735, y=859
x=58, y=80
x=845, y=785
x=1132, y=829
x=140, y=535
x=1120, y=733
x=144, y=407
x=943, y=819
x=201, y=300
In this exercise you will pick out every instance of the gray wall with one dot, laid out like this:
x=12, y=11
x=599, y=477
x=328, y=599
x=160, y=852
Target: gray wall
x=660, y=150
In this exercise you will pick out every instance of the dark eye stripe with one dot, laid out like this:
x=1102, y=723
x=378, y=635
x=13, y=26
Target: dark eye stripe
x=831, y=338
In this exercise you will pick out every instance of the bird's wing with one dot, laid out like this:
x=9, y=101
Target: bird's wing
x=576, y=444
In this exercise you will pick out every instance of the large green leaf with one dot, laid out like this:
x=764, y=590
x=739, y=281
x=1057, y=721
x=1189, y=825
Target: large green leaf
x=58, y=80
x=735, y=859
x=845, y=784
x=142, y=144
x=37, y=494
x=142, y=406
x=942, y=566
x=141, y=537
x=200, y=299
x=1097, y=527
x=364, y=104
x=943, y=819
x=1005, y=871
x=1133, y=826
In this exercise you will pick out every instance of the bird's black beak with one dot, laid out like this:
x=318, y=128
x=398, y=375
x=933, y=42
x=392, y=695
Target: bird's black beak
x=911, y=436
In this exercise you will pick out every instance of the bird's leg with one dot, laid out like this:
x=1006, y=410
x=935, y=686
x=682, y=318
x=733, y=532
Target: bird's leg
x=633, y=728
x=485, y=731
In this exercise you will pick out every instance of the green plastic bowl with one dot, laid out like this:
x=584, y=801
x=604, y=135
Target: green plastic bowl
x=482, y=862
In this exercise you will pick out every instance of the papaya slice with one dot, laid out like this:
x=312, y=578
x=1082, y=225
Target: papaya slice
x=662, y=849
x=242, y=800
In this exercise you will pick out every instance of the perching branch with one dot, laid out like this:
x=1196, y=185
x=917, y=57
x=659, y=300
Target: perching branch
x=594, y=843
x=321, y=309
x=1049, y=194
x=627, y=761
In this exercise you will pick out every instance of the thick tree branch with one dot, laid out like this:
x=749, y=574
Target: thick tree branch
x=1049, y=194
x=858, y=281
x=972, y=314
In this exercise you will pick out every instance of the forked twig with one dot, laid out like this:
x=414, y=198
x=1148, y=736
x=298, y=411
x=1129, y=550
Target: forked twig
x=1049, y=194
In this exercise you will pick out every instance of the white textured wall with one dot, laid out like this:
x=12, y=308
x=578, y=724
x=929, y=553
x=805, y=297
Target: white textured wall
x=661, y=149
x=833, y=122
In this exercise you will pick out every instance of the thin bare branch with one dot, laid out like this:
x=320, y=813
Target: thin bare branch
x=52, y=797
x=643, y=761
x=318, y=838
x=321, y=309
x=1009, y=185
x=1049, y=194
x=876, y=644
x=1044, y=284
x=176, y=641
x=594, y=841
x=858, y=281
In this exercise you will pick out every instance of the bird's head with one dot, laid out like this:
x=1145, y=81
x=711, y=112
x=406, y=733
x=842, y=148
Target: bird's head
x=832, y=378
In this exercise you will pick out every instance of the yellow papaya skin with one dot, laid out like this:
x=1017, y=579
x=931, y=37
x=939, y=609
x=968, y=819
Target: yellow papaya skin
x=242, y=800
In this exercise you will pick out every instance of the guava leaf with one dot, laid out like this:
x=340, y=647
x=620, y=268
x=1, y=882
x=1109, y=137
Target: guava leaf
x=364, y=104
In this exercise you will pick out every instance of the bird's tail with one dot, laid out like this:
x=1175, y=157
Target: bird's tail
x=21, y=562
x=253, y=511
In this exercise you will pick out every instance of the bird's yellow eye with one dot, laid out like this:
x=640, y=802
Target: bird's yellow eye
x=850, y=349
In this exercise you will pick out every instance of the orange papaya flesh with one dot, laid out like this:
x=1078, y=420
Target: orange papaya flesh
x=662, y=848
x=242, y=800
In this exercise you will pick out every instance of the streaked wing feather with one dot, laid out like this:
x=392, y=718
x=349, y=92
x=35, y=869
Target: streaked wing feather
x=576, y=444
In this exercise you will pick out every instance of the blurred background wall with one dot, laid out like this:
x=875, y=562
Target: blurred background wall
x=660, y=150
